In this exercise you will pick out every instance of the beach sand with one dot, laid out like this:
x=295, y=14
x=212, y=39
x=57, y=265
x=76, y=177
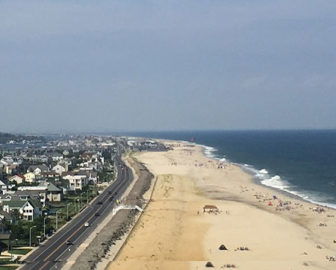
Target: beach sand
x=174, y=233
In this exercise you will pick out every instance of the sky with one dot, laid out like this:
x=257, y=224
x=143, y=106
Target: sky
x=100, y=66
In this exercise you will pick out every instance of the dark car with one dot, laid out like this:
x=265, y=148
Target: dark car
x=69, y=243
x=97, y=214
x=100, y=202
x=110, y=192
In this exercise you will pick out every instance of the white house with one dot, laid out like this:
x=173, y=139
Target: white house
x=76, y=182
x=27, y=209
x=38, y=169
x=58, y=169
x=17, y=178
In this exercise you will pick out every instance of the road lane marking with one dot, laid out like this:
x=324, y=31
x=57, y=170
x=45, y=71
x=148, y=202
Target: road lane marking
x=116, y=186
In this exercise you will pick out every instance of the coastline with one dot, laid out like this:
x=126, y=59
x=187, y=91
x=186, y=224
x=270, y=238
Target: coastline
x=261, y=176
x=251, y=215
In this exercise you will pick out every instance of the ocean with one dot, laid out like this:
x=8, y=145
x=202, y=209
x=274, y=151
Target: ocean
x=300, y=162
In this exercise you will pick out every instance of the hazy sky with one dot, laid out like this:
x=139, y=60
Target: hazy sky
x=164, y=65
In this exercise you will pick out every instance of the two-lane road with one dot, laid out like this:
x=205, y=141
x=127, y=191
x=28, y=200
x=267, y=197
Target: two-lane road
x=55, y=251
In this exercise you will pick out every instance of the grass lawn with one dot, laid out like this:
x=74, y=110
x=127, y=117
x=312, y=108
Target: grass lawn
x=20, y=251
x=10, y=267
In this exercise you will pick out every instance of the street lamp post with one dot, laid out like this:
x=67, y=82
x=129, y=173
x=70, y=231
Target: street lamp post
x=56, y=220
x=68, y=211
x=30, y=230
x=44, y=227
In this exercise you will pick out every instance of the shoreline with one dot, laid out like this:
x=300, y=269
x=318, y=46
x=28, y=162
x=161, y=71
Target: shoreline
x=253, y=173
x=250, y=215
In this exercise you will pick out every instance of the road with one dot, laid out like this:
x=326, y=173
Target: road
x=55, y=251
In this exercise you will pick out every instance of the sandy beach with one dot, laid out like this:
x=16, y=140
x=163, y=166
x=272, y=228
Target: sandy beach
x=259, y=228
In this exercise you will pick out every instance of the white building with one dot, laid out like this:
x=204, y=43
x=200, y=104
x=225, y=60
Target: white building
x=18, y=179
x=58, y=169
x=27, y=209
x=76, y=182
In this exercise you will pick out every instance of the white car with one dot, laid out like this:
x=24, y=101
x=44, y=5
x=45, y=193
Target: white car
x=86, y=224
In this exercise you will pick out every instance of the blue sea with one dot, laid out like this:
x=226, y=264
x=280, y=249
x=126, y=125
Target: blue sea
x=302, y=163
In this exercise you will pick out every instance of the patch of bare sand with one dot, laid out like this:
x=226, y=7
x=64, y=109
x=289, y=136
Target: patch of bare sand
x=164, y=237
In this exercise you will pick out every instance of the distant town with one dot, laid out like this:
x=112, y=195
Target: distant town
x=44, y=182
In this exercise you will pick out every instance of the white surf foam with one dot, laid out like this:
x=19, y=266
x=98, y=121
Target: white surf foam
x=275, y=181
x=263, y=171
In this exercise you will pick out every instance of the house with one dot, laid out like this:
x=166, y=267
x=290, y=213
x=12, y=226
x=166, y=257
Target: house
x=9, y=169
x=58, y=169
x=28, y=209
x=19, y=179
x=65, y=163
x=51, y=175
x=38, y=169
x=7, y=160
x=4, y=216
x=91, y=175
x=29, y=177
x=44, y=192
x=76, y=182
x=37, y=192
x=56, y=156
x=3, y=185
x=54, y=194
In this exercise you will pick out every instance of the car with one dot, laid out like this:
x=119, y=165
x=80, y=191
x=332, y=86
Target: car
x=86, y=224
x=100, y=202
x=69, y=243
x=110, y=192
x=97, y=214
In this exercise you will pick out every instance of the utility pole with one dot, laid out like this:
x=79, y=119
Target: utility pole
x=30, y=231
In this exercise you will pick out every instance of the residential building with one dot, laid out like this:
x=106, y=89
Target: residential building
x=54, y=194
x=58, y=169
x=29, y=177
x=19, y=179
x=56, y=156
x=76, y=182
x=38, y=169
x=28, y=209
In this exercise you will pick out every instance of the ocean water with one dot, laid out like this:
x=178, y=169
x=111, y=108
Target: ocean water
x=302, y=163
